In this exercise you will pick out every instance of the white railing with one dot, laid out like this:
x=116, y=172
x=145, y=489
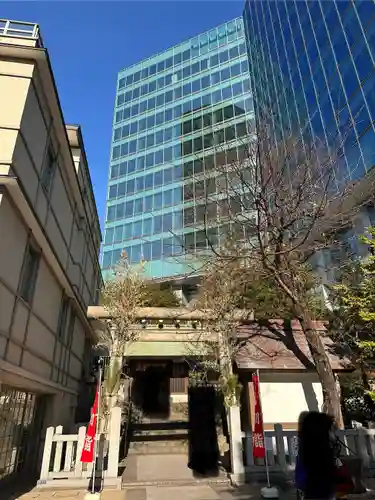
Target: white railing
x=281, y=446
x=61, y=465
x=20, y=29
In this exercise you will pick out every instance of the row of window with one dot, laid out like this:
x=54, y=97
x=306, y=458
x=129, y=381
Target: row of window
x=144, y=182
x=188, y=71
x=172, y=245
x=163, y=177
x=190, y=146
x=171, y=221
x=29, y=277
x=205, y=43
x=146, y=204
x=197, y=190
x=197, y=121
x=153, y=250
x=175, y=173
x=181, y=92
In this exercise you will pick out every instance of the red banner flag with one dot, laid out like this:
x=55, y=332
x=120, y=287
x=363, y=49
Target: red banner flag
x=87, y=455
x=259, y=450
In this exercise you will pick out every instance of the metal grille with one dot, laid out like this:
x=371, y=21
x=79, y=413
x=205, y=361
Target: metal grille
x=17, y=415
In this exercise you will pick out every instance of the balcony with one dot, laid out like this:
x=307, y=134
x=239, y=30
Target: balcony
x=20, y=33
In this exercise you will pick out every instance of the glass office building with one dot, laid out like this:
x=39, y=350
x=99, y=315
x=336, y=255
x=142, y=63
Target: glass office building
x=312, y=65
x=313, y=76
x=173, y=113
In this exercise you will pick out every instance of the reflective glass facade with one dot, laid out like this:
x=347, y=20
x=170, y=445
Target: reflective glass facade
x=172, y=113
x=312, y=64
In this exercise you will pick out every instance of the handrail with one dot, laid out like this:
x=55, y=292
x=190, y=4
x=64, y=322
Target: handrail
x=20, y=29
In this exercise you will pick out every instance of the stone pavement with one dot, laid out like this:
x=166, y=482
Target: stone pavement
x=158, y=468
x=188, y=492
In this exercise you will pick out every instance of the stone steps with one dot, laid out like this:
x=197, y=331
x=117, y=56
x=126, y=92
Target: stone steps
x=163, y=437
x=177, y=482
x=158, y=447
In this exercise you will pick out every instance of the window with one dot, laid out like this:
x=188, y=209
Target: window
x=128, y=209
x=111, y=213
x=169, y=115
x=204, y=64
x=167, y=198
x=140, y=184
x=107, y=256
x=140, y=163
x=177, y=58
x=158, y=178
x=156, y=250
x=114, y=171
x=189, y=241
x=158, y=201
x=63, y=317
x=123, y=168
x=130, y=185
x=112, y=192
x=138, y=206
x=188, y=216
x=108, y=236
x=205, y=82
x=168, y=247
x=147, y=226
x=131, y=166
x=148, y=203
x=48, y=170
x=29, y=273
x=120, y=211
x=137, y=229
x=233, y=52
x=167, y=222
x=168, y=154
x=149, y=160
x=150, y=140
x=158, y=224
x=128, y=231
x=118, y=233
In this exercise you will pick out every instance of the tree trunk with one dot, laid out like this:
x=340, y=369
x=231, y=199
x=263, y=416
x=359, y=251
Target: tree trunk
x=331, y=396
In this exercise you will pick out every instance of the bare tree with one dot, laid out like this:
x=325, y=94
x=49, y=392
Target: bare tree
x=221, y=290
x=121, y=296
x=281, y=203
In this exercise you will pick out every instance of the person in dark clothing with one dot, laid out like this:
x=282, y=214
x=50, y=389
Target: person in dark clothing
x=316, y=461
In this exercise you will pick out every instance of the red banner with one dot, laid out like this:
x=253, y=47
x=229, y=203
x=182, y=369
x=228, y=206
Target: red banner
x=259, y=450
x=87, y=455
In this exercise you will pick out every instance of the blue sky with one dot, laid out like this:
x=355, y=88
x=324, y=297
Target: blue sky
x=89, y=42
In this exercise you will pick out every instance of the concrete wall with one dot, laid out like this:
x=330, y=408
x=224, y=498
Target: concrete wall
x=36, y=354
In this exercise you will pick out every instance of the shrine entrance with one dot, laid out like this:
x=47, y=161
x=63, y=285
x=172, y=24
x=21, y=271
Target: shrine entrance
x=151, y=389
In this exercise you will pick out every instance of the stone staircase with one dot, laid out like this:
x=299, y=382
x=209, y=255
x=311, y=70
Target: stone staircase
x=159, y=438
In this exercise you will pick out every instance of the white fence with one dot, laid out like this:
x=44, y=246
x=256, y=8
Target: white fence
x=281, y=446
x=61, y=465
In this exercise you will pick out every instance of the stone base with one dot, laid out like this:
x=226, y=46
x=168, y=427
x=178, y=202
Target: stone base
x=92, y=496
x=78, y=483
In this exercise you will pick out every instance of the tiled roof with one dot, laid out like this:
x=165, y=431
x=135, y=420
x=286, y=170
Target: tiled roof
x=282, y=345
